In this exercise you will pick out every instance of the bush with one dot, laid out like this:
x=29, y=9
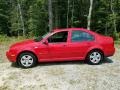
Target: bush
x=116, y=36
x=3, y=38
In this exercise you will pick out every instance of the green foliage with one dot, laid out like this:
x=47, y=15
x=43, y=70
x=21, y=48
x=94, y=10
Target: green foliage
x=115, y=36
x=35, y=16
x=117, y=42
x=3, y=38
x=37, y=22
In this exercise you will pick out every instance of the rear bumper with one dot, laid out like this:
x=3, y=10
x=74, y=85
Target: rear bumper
x=111, y=52
x=11, y=56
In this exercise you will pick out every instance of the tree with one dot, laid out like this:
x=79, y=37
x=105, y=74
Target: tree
x=72, y=16
x=68, y=3
x=114, y=16
x=89, y=15
x=50, y=15
x=21, y=17
x=4, y=17
x=36, y=17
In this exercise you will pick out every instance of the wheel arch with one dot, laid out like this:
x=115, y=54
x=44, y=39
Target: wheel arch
x=26, y=51
x=95, y=49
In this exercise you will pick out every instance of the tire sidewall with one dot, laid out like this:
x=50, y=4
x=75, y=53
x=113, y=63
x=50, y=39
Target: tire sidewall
x=88, y=57
x=30, y=54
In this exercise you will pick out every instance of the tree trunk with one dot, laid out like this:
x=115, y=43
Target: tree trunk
x=106, y=30
x=89, y=15
x=68, y=14
x=21, y=18
x=56, y=17
x=114, y=17
x=72, y=21
x=50, y=15
x=18, y=21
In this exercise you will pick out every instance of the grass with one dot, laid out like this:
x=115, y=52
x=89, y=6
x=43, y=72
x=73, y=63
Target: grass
x=117, y=42
x=5, y=43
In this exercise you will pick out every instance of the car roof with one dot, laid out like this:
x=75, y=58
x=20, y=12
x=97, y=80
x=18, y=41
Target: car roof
x=67, y=29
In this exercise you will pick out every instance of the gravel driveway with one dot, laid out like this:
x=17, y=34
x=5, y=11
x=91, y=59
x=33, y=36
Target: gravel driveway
x=63, y=76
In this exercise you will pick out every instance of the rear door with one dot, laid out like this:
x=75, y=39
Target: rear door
x=80, y=42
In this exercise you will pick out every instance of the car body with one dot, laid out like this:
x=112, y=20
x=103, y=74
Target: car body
x=63, y=45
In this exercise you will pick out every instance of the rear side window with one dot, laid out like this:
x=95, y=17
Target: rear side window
x=78, y=36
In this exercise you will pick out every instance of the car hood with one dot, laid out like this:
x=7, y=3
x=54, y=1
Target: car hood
x=22, y=43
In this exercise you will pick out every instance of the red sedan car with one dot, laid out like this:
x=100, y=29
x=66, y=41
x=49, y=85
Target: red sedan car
x=62, y=45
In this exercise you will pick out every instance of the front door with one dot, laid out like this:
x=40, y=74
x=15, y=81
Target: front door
x=58, y=46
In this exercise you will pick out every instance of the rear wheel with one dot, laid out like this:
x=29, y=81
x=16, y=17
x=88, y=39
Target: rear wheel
x=27, y=60
x=95, y=57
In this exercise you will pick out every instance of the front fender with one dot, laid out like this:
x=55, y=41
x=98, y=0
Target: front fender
x=28, y=49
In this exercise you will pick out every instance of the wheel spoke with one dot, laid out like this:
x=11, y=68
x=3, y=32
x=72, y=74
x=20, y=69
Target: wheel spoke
x=91, y=57
x=95, y=57
x=26, y=63
x=30, y=61
x=98, y=55
x=95, y=53
x=22, y=61
x=29, y=57
x=26, y=60
x=24, y=57
x=98, y=58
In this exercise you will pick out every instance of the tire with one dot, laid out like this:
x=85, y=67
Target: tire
x=27, y=60
x=95, y=57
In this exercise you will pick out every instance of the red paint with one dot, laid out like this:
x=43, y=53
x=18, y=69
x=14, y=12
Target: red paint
x=63, y=51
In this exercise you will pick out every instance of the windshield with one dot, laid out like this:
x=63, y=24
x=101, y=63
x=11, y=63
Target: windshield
x=45, y=35
x=39, y=38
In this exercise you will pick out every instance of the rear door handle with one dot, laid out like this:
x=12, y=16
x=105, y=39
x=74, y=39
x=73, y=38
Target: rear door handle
x=64, y=45
x=88, y=43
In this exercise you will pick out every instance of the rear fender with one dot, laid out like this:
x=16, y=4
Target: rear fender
x=94, y=48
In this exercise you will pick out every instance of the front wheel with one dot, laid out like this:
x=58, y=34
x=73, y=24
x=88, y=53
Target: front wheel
x=95, y=57
x=27, y=60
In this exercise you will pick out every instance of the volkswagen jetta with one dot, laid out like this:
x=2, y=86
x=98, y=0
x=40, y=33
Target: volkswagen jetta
x=62, y=45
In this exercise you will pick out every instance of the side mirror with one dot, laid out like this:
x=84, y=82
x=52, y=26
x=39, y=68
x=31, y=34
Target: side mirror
x=45, y=42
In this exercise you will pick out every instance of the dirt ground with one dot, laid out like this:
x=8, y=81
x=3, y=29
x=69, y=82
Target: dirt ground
x=61, y=76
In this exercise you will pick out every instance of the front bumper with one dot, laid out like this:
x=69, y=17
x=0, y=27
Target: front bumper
x=11, y=56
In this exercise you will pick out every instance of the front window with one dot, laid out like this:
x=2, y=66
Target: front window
x=39, y=38
x=58, y=37
x=78, y=36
